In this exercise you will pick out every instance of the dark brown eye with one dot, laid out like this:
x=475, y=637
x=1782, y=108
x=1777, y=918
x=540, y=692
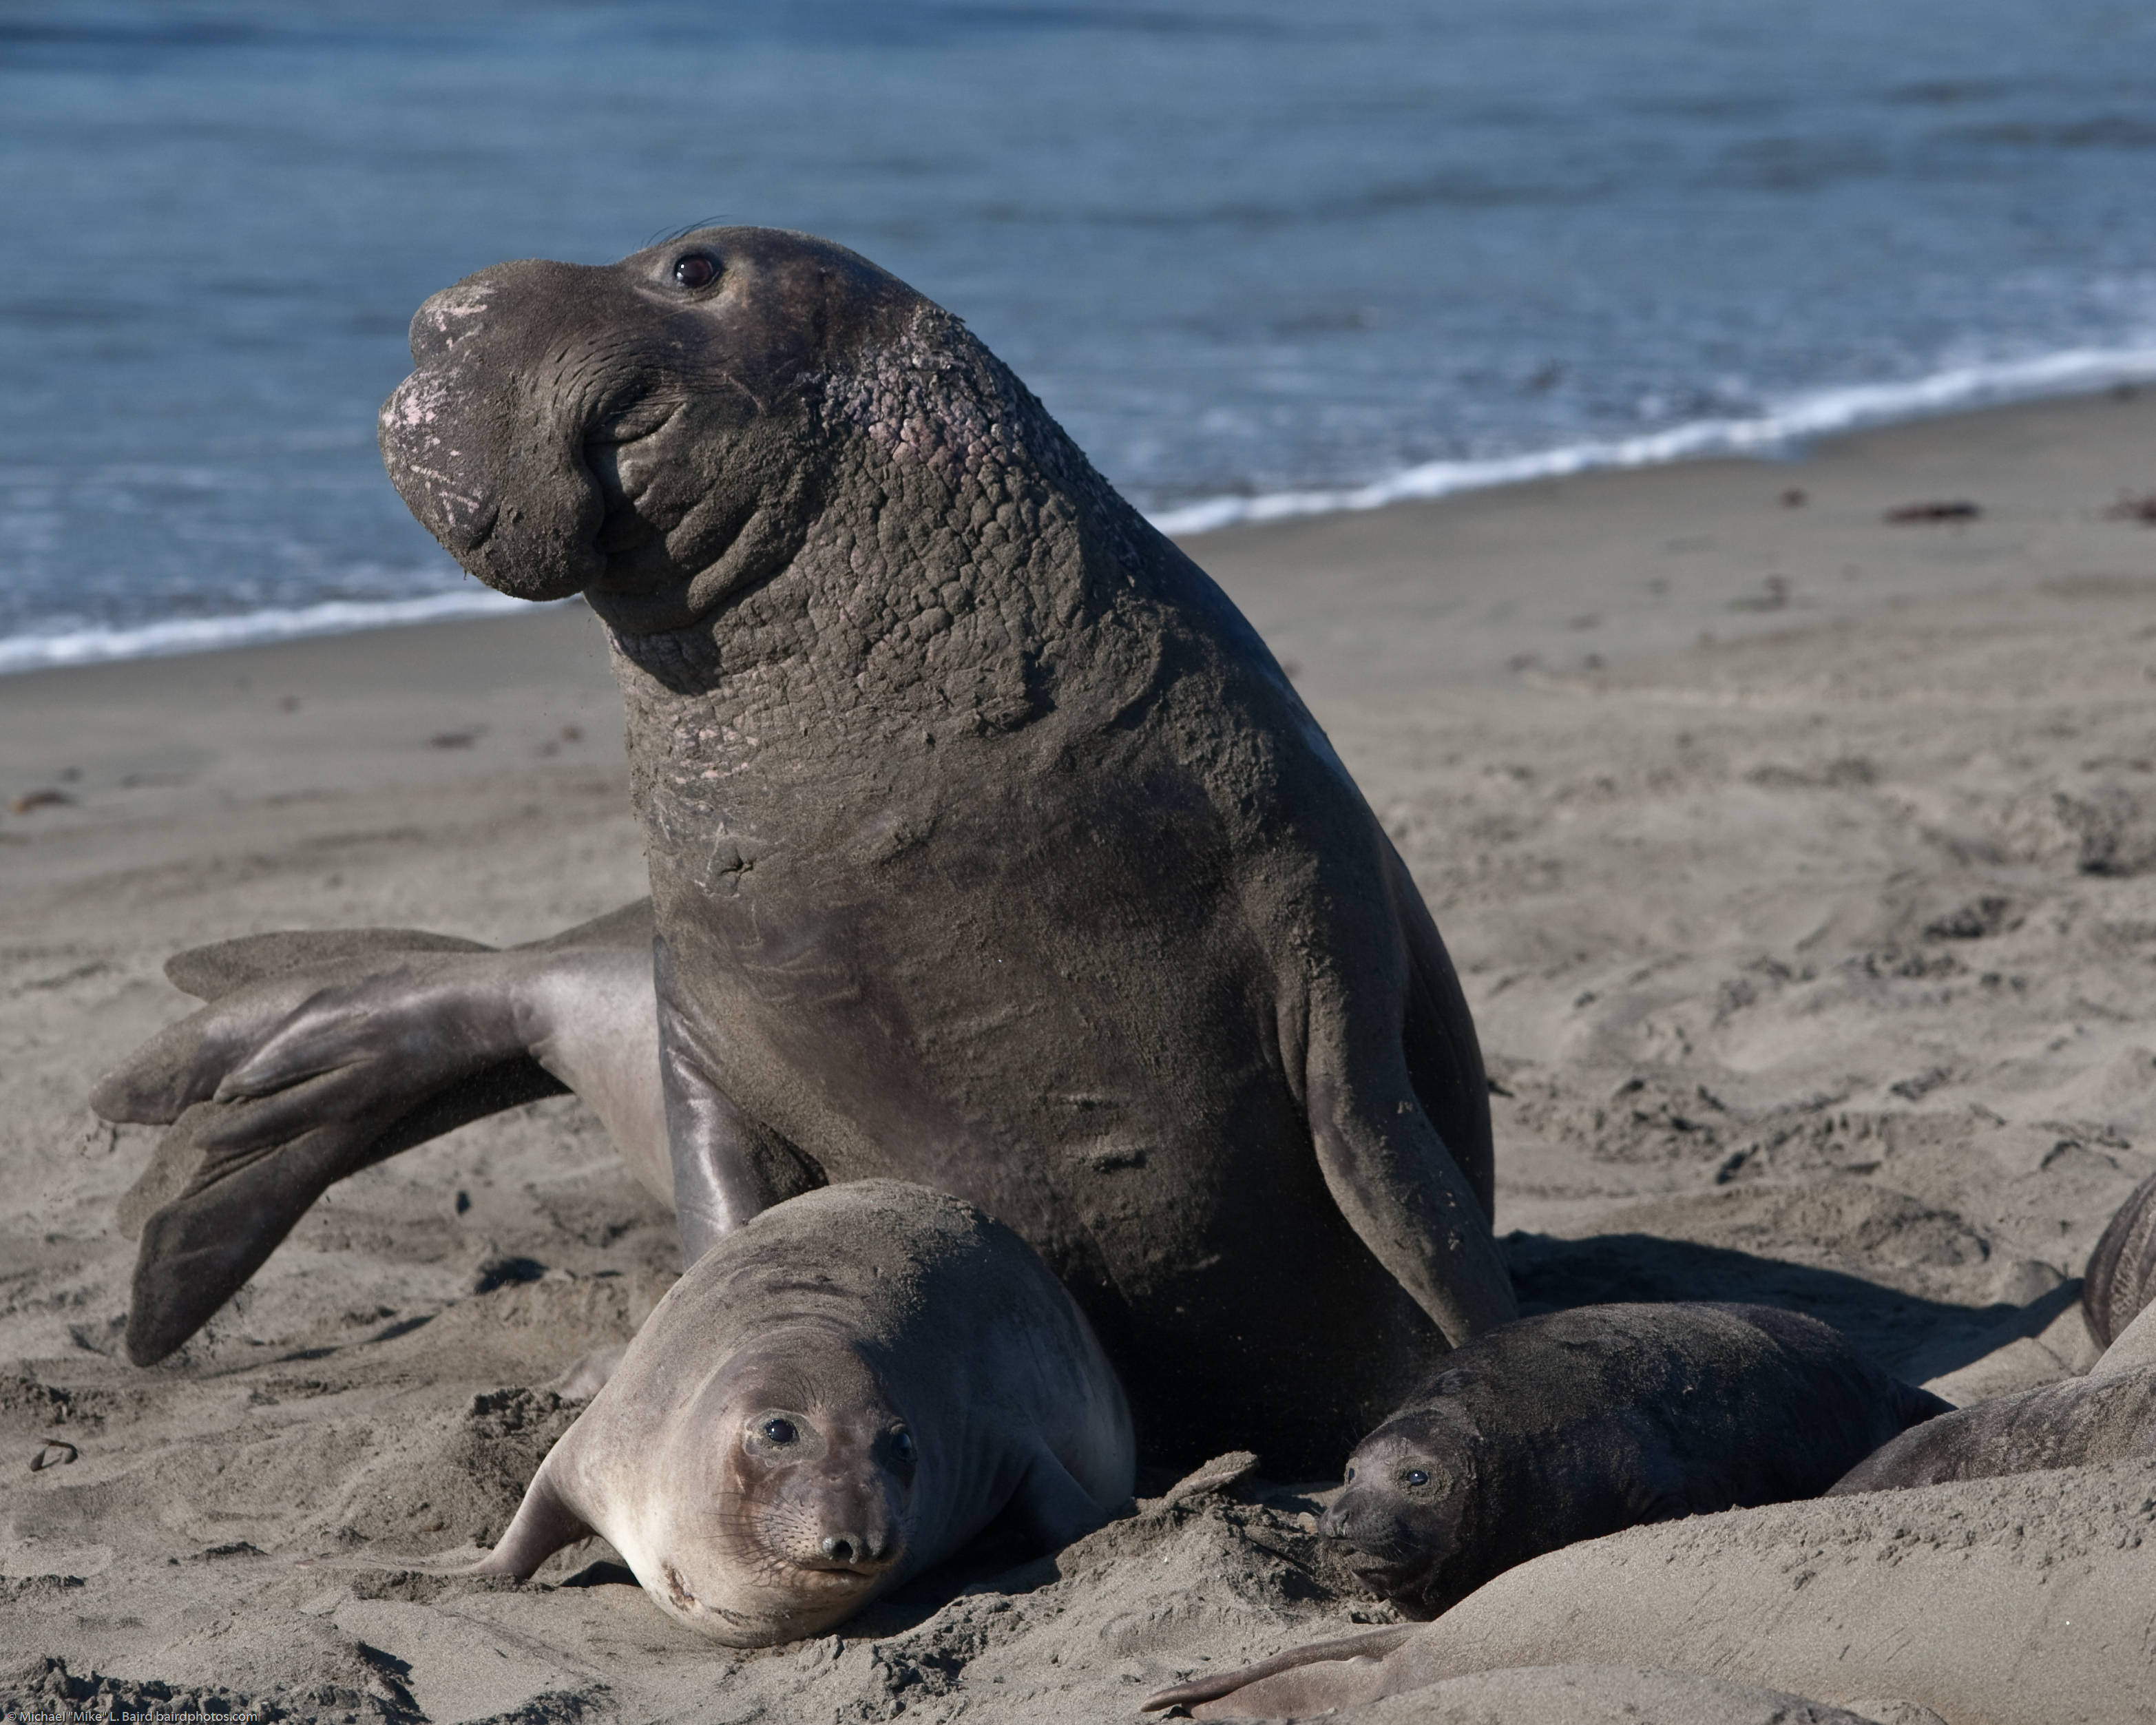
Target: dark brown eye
x=780, y=1431
x=695, y=270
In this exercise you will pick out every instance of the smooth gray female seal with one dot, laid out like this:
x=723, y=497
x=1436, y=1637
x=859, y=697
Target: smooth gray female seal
x=1568, y=1426
x=989, y=848
x=2107, y=1416
x=839, y=1394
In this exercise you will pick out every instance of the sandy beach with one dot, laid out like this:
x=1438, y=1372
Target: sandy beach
x=1799, y=864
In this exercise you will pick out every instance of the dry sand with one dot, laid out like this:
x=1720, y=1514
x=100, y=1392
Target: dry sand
x=1801, y=869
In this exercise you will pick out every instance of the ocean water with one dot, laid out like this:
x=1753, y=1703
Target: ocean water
x=1260, y=256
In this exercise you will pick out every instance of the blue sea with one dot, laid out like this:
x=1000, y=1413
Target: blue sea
x=1262, y=257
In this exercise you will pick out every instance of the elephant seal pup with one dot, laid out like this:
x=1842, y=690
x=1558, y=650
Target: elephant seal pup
x=1565, y=1427
x=839, y=1394
x=989, y=847
x=2022, y=1597
x=2108, y=1415
x=2121, y=1277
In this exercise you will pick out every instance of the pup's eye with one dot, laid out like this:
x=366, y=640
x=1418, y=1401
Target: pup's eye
x=695, y=270
x=1415, y=1476
x=779, y=1431
x=901, y=1445
x=1350, y=1475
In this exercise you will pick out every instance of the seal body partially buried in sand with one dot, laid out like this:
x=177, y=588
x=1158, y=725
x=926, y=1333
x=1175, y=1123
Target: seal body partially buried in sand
x=840, y=1393
x=989, y=848
x=1568, y=1426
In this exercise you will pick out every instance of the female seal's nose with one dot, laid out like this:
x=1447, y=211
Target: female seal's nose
x=858, y=1550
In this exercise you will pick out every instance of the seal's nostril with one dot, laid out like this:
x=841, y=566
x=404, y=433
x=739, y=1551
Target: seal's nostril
x=841, y=1548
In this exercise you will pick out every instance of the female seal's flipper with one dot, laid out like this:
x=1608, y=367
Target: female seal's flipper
x=1368, y=1649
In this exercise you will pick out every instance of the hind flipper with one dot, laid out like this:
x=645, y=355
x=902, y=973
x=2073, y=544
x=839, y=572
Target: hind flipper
x=217, y=1198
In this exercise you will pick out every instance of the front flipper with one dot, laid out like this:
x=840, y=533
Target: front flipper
x=1055, y=1508
x=1351, y=1656
x=544, y=1523
x=1411, y=1200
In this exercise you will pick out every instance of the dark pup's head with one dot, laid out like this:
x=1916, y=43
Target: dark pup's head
x=1406, y=1514
x=647, y=432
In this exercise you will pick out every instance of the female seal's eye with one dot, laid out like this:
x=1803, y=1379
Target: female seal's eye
x=779, y=1431
x=1350, y=1475
x=1415, y=1476
x=695, y=270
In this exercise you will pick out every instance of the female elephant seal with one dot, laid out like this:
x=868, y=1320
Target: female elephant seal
x=989, y=848
x=842, y=1392
x=2107, y=1416
x=1565, y=1427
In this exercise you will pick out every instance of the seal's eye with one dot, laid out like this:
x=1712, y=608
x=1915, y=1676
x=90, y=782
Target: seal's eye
x=901, y=1445
x=1415, y=1476
x=694, y=270
x=1350, y=1475
x=779, y=1431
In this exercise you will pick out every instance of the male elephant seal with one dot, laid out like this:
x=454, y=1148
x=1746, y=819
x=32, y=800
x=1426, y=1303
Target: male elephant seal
x=988, y=845
x=842, y=1392
x=1983, y=1600
x=1562, y=1428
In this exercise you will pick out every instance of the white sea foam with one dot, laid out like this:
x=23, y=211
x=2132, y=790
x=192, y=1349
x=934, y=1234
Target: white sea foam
x=1797, y=419
x=205, y=634
x=1787, y=424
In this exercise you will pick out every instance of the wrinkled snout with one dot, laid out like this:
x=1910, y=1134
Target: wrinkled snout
x=484, y=441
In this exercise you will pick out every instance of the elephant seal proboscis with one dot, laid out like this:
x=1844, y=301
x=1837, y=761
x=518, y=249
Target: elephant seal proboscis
x=2108, y=1415
x=841, y=1393
x=1570, y=1425
x=2019, y=1598
x=989, y=846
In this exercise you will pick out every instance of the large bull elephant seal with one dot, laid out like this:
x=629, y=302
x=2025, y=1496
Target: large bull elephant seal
x=989, y=847
x=839, y=1394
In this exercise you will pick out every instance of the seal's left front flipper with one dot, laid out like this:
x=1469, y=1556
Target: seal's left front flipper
x=1055, y=1508
x=1392, y=1177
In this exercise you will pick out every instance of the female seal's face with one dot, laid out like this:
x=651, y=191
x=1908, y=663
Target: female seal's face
x=810, y=1512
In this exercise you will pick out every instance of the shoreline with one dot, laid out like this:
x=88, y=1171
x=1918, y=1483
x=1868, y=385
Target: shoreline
x=1790, y=442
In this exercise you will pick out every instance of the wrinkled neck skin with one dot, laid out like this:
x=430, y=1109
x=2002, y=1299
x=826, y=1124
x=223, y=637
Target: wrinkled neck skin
x=751, y=1543
x=964, y=576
